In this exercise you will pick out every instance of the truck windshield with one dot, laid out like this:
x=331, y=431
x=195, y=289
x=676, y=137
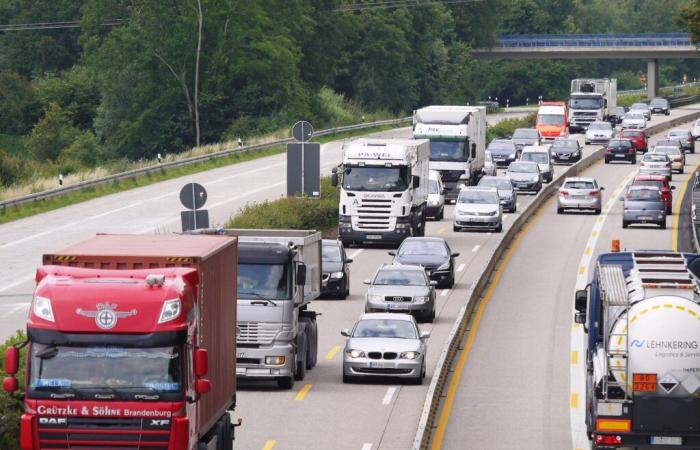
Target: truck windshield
x=585, y=103
x=269, y=281
x=448, y=151
x=91, y=371
x=550, y=119
x=368, y=178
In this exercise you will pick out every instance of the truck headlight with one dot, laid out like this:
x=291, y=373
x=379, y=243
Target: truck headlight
x=171, y=310
x=337, y=275
x=409, y=355
x=274, y=360
x=42, y=308
x=435, y=202
x=402, y=225
x=355, y=353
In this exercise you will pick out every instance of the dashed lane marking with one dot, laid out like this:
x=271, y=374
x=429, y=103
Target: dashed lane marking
x=476, y=248
x=367, y=446
x=461, y=267
x=444, y=292
x=269, y=445
x=441, y=230
x=334, y=351
x=388, y=396
x=677, y=207
x=302, y=393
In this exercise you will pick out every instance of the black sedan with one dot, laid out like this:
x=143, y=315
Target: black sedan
x=660, y=106
x=620, y=150
x=336, y=270
x=565, y=151
x=503, y=152
x=433, y=254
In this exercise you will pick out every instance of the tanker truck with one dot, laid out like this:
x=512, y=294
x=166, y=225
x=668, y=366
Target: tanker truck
x=641, y=313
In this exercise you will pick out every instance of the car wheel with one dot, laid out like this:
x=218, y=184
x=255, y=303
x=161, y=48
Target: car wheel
x=455, y=229
x=347, y=379
x=662, y=224
x=419, y=379
x=681, y=171
x=588, y=143
x=669, y=210
x=442, y=214
x=607, y=161
x=597, y=212
x=499, y=228
x=285, y=383
x=625, y=224
x=560, y=210
x=346, y=290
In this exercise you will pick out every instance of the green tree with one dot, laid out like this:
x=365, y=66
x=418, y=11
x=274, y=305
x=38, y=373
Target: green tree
x=19, y=106
x=51, y=135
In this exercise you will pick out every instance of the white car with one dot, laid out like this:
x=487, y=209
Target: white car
x=489, y=166
x=436, y=196
x=634, y=120
x=696, y=130
x=479, y=208
x=542, y=156
x=599, y=133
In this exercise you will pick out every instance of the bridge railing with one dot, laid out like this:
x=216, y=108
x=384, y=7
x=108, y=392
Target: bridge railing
x=595, y=40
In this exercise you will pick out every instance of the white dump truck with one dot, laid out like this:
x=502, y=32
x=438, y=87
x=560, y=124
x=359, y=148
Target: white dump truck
x=384, y=190
x=457, y=136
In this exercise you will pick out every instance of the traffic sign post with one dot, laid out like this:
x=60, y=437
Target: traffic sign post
x=193, y=196
x=303, y=162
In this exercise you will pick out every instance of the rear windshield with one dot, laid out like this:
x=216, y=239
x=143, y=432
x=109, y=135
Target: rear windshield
x=678, y=133
x=667, y=150
x=538, y=157
x=656, y=183
x=620, y=143
x=650, y=157
x=579, y=185
x=630, y=133
x=501, y=145
x=643, y=194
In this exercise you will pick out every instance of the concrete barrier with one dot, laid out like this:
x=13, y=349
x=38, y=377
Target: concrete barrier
x=431, y=405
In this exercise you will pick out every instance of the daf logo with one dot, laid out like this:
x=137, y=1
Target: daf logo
x=160, y=422
x=105, y=316
x=53, y=420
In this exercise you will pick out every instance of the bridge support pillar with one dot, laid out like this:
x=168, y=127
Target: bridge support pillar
x=652, y=78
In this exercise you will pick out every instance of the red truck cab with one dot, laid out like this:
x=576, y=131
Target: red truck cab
x=121, y=340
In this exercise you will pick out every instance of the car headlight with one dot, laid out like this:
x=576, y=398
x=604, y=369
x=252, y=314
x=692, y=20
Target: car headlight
x=374, y=298
x=421, y=299
x=42, y=308
x=492, y=213
x=461, y=185
x=409, y=355
x=444, y=266
x=337, y=275
x=435, y=202
x=511, y=156
x=355, y=353
x=535, y=178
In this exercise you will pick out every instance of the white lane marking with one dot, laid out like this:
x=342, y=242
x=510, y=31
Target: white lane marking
x=578, y=380
x=367, y=446
x=356, y=253
x=16, y=308
x=505, y=218
x=17, y=283
x=461, y=267
x=445, y=292
x=476, y=248
x=388, y=396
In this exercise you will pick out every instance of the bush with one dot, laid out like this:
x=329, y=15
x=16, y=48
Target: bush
x=292, y=213
x=51, y=135
x=628, y=100
x=507, y=127
x=10, y=407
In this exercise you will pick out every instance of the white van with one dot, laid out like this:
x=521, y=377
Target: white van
x=436, y=196
x=541, y=155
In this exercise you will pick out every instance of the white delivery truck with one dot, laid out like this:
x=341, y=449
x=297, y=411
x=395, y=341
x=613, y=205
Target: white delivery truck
x=384, y=190
x=641, y=314
x=591, y=100
x=457, y=136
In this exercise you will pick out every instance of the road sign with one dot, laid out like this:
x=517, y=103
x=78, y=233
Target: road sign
x=304, y=169
x=193, y=196
x=302, y=131
x=194, y=220
x=642, y=78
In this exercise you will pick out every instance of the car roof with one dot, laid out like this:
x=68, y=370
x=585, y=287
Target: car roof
x=479, y=189
x=650, y=177
x=579, y=179
x=536, y=149
x=400, y=267
x=393, y=316
x=679, y=130
x=643, y=188
x=494, y=177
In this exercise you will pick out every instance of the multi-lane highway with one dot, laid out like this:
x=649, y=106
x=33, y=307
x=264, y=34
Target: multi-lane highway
x=321, y=412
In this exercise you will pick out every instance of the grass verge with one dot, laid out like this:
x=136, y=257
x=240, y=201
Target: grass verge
x=29, y=209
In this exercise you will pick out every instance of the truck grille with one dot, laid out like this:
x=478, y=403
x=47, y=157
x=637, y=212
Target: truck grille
x=451, y=175
x=101, y=433
x=253, y=333
x=374, y=215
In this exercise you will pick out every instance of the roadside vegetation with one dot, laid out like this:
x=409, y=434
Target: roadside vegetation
x=11, y=408
x=505, y=128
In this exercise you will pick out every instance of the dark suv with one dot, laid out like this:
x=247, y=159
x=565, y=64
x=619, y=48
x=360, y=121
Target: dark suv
x=503, y=152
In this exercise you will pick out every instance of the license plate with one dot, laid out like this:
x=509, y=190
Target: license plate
x=396, y=306
x=666, y=440
x=381, y=365
x=620, y=156
x=563, y=157
x=646, y=218
x=374, y=236
x=578, y=197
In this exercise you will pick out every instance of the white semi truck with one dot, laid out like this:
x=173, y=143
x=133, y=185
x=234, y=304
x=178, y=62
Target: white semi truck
x=642, y=316
x=457, y=137
x=384, y=190
x=591, y=100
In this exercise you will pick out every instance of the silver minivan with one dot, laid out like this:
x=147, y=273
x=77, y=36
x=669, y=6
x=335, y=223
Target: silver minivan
x=436, y=196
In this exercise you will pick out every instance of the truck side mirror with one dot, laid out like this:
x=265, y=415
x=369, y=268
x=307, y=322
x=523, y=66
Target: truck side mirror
x=580, y=318
x=416, y=181
x=473, y=152
x=202, y=386
x=334, y=177
x=201, y=362
x=581, y=300
x=11, y=360
x=301, y=274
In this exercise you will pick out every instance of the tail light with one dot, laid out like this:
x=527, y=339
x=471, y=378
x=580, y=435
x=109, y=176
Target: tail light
x=668, y=164
x=641, y=163
x=609, y=150
x=594, y=193
x=608, y=440
x=564, y=193
x=632, y=150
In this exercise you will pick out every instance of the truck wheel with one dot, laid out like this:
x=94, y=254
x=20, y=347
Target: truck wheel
x=300, y=372
x=286, y=383
x=311, y=331
x=625, y=224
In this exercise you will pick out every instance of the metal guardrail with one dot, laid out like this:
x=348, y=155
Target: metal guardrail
x=595, y=40
x=185, y=162
x=426, y=423
x=665, y=88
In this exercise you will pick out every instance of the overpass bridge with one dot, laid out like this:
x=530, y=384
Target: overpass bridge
x=650, y=47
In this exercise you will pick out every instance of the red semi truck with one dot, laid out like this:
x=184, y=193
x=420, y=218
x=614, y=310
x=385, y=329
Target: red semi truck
x=131, y=345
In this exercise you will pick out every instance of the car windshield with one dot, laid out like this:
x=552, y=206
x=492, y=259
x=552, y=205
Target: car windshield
x=433, y=187
x=658, y=102
x=657, y=183
x=643, y=194
x=678, y=134
x=538, y=157
x=525, y=134
x=658, y=157
x=501, y=145
x=619, y=143
x=448, y=151
x=586, y=103
x=550, y=119
x=502, y=184
x=523, y=167
x=668, y=143
x=565, y=143
x=393, y=277
x=368, y=178
x=599, y=126
x=270, y=281
x=421, y=247
x=634, y=116
x=667, y=150
x=475, y=197
x=385, y=328
x=579, y=184
x=639, y=106
x=331, y=253
x=631, y=134
x=133, y=370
